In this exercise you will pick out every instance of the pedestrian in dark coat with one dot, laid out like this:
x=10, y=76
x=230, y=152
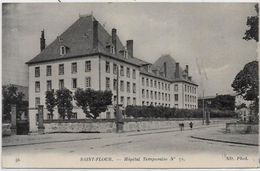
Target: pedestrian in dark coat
x=191, y=125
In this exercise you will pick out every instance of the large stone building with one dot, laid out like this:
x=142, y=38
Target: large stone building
x=87, y=56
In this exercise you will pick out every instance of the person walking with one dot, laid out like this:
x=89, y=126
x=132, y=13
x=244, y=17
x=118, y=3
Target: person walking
x=191, y=125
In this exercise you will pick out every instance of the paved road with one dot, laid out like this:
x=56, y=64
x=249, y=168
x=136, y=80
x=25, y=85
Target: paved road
x=156, y=144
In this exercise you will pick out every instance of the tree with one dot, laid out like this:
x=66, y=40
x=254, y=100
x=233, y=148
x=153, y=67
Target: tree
x=50, y=101
x=99, y=102
x=64, y=103
x=252, y=22
x=246, y=83
x=11, y=95
x=93, y=102
x=82, y=98
x=223, y=102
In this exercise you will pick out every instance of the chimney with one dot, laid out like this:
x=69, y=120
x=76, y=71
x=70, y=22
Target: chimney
x=114, y=39
x=164, y=69
x=42, y=41
x=129, y=46
x=187, y=69
x=95, y=34
x=177, y=70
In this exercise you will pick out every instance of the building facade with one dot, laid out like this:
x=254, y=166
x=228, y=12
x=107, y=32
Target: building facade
x=87, y=56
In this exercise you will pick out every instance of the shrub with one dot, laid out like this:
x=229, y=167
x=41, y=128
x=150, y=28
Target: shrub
x=166, y=112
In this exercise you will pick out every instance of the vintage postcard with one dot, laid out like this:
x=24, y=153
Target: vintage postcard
x=130, y=85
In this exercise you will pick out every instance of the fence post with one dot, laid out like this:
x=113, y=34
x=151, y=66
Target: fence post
x=13, y=119
x=40, y=120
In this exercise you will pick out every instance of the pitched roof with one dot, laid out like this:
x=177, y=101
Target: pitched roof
x=171, y=69
x=78, y=38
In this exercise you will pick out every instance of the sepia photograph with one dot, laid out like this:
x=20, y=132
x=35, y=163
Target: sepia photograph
x=130, y=85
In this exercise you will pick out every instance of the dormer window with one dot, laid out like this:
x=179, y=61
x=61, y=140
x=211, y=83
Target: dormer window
x=62, y=50
x=112, y=49
x=125, y=54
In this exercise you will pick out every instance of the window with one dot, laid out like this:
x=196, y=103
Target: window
x=168, y=87
x=61, y=84
x=159, y=85
x=122, y=100
x=159, y=96
x=112, y=50
x=37, y=86
x=165, y=86
x=134, y=88
x=147, y=103
x=49, y=86
x=50, y=116
x=37, y=72
x=143, y=94
x=74, y=68
x=169, y=97
x=147, y=82
x=61, y=69
x=87, y=66
x=155, y=84
x=185, y=88
x=143, y=103
x=128, y=87
x=107, y=67
x=175, y=87
x=115, y=100
x=134, y=74
x=162, y=96
x=115, y=84
x=48, y=70
x=151, y=94
x=162, y=86
x=166, y=97
x=37, y=101
x=62, y=50
x=151, y=83
x=74, y=115
x=134, y=101
x=107, y=83
x=128, y=101
x=74, y=82
x=176, y=97
x=121, y=70
x=155, y=95
x=108, y=115
x=128, y=72
x=115, y=69
x=147, y=94
x=122, y=86
x=88, y=82
x=142, y=81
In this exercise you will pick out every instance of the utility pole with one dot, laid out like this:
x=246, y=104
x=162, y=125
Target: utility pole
x=118, y=113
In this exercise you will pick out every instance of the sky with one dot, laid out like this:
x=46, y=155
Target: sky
x=209, y=33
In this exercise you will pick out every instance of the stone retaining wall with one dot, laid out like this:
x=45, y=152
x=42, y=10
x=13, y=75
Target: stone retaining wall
x=242, y=128
x=130, y=125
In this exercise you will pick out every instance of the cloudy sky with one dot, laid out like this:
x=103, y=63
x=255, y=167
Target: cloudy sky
x=212, y=33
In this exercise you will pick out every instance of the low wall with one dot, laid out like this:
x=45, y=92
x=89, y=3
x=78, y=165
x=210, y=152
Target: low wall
x=242, y=128
x=130, y=125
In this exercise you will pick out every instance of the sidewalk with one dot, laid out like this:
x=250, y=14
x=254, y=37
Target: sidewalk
x=223, y=137
x=20, y=140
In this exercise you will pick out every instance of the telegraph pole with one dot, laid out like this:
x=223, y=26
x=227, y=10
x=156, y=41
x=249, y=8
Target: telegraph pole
x=118, y=113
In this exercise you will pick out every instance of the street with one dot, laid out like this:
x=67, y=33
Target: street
x=160, y=143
